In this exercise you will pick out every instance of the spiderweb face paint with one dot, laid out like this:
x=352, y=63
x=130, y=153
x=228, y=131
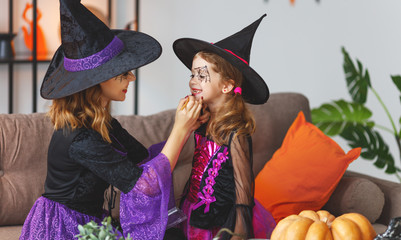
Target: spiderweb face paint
x=201, y=73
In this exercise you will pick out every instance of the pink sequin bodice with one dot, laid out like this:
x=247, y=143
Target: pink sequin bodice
x=204, y=151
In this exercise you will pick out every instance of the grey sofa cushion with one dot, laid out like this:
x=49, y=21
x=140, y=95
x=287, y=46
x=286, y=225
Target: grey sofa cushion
x=24, y=141
x=358, y=195
x=10, y=232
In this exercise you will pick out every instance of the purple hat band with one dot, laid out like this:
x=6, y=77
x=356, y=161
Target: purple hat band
x=95, y=60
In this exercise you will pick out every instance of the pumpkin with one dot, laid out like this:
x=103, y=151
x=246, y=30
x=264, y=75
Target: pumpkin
x=321, y=225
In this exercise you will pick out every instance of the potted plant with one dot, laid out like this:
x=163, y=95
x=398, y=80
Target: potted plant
x=92, y=231
x=351, y=120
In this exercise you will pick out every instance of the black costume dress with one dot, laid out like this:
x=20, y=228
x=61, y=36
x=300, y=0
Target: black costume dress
x=219, y=193
x=81, y=166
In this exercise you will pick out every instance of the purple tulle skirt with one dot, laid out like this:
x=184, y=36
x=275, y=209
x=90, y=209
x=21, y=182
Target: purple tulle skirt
x=263, y=221
x=143, y=211
x=52, y=220
x=263, y=224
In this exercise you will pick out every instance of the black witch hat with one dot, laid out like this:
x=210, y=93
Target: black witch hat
x=91, y=53
x=236, y=50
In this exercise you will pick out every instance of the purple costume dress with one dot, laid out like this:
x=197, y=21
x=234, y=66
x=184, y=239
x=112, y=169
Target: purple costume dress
x=219, y=193
x=81, y=166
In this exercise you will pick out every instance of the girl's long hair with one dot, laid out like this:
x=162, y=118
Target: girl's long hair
x=233, y=115
x=82, y=109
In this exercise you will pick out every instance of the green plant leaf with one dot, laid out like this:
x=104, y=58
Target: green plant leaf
x=81, y=229
x=333, y=117
x=358, y=80
x=92, y=230
x=108, y=220
x=397, y=81
x=372, y=144
x=102, y=234
x=93, y=237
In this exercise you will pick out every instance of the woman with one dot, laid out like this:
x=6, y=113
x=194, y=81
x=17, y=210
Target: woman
x=89, y=150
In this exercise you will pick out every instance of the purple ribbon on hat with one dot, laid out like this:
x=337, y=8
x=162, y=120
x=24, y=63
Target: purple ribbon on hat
x=95, y=60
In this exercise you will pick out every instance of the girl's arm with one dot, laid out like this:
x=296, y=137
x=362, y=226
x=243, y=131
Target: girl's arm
x=241, y=153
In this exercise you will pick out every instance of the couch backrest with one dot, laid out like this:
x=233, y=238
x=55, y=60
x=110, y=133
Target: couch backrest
x=24, y=140
x=272, y=122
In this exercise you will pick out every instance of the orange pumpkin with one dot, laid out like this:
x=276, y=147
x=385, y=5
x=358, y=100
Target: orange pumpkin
x=321, y=225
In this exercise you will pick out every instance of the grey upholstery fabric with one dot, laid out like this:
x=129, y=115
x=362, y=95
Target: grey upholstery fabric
x=358, y=195
x=392, y=196
x=24, y=141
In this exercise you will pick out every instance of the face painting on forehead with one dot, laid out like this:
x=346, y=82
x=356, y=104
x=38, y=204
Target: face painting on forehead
x=202, y=74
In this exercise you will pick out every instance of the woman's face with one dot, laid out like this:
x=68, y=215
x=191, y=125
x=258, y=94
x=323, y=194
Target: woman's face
x=116, y=88
x=207, y=83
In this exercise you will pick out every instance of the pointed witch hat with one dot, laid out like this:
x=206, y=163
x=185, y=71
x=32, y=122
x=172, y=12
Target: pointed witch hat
x=236, y=50
x=91, y=53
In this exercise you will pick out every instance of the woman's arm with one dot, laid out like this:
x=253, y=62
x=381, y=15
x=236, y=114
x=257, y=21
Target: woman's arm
x=186, y=121
x=92, y=152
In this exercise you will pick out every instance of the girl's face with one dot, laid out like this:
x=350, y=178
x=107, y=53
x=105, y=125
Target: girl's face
x=207, y=83
x=116, y=88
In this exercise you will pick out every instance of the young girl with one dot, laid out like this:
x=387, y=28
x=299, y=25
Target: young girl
x=89, y=150
x=219, y=192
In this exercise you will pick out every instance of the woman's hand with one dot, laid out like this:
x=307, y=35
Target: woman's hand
x=187, y=114
x=186, y=121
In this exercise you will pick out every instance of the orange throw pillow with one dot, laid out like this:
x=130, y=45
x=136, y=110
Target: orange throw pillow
x=303, y=172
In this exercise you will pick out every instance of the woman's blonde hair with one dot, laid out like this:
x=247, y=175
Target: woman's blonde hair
x=233, y=115
x=82, y=109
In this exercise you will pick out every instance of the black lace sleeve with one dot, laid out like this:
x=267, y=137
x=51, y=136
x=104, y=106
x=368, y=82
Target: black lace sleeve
x=136, y=151
x=91, y=151
x=241, y=153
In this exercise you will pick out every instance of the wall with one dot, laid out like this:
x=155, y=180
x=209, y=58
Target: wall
x=296, y=48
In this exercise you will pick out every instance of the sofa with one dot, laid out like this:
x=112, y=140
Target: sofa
x=24, y=140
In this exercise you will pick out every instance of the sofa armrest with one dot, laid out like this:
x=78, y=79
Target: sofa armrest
x=392, y=196
x=359, y=195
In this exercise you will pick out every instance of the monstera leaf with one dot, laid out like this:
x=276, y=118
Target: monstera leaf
x=351, y=120
x=332, y=118
x=358, y=80
x=397, y=82
x=372, y=144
